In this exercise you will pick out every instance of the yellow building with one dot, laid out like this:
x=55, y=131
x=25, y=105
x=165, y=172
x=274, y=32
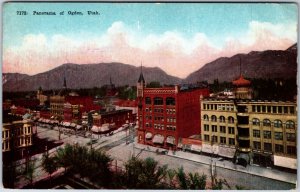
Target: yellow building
x=57, y=106
x=252, y=131
x=17, y=134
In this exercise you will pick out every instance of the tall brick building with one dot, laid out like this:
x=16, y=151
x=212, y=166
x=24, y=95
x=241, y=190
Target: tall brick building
x=167, y=114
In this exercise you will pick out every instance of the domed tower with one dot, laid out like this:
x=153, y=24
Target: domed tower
x=242, y=88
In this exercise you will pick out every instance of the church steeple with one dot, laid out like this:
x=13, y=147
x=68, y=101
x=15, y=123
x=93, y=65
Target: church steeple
x=140, y=84
x=65, y=83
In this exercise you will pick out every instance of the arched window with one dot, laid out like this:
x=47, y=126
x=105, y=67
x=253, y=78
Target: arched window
x=205, y=117
x=290, y=125
x=255, y=121
x=230, y=119
x=170, y=101
x=277, y=123
x=158, y=101
x=148, y=100
x=214, y=118
x=222, y=119
x=266, y=122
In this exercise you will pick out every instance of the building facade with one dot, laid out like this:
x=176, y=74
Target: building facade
x=251, y=131
x=16, y=135
x=165, y=115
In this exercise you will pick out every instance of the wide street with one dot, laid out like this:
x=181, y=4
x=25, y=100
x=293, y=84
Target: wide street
x=116, y=147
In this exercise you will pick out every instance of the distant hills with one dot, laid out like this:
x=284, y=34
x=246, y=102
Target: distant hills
x=256, y=64
x=86, y=76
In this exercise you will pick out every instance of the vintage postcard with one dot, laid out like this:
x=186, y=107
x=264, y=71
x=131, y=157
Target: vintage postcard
x=127, y=95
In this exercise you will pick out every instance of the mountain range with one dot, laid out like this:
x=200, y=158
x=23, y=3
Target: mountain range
x=256, y=64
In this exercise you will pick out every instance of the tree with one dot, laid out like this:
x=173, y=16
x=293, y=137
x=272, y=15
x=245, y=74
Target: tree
x=182, y=179
x=171, y=173
x=49, y=164
x=29, y=172
x=144, y=174
x=197, y=181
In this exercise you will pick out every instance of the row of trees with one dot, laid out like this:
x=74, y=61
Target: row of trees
x=96, y=166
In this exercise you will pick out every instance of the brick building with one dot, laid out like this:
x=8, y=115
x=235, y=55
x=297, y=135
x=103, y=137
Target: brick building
x=165, y=115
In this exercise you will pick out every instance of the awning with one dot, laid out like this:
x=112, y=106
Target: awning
x=148, y=135
x=104, y=128
x=73, y=125
x=95, y=129
x=78, y=127
x=158, y=139
x=84, y=122
x=285, y=162
x=170, y=140
x=197, y=148
x=207, y=148
x=226, y=151
x=67, y=124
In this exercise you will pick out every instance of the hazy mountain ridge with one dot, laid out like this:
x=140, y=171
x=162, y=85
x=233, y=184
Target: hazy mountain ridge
x=256, y=64
x=88, y=76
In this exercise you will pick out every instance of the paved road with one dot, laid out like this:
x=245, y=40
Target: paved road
x=123, y=153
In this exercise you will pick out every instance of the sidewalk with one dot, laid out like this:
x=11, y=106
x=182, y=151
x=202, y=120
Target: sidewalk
x=250, y=169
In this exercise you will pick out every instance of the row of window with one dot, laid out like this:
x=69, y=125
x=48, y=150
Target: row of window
x=273, y=109
x=20, y=142
x=171, y=127
x=277, y=123
x=222, y=129
x=219, y=107
x=160, y=110
x=230, y=119
x=159, y=126
x=160, y=101
x=291, y=150
x=277, y=135
x=266, y=122
x=19, y=131
x=214, y=139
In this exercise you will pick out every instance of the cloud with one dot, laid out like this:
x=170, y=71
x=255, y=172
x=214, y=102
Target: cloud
x=172, y=51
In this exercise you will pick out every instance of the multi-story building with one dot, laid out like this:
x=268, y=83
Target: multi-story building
x=16, y=135
x=165, y=115
x=252, y=131
x=57, y=106
x=117, y=117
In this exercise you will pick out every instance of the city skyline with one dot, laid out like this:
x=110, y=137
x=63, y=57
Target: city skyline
x=178, y=38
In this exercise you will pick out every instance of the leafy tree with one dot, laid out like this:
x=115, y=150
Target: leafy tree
x=29, y=172
x=197, y=181
x=49, y=164
x=182, y=179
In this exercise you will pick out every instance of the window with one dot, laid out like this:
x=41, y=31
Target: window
x=170, y=101
x=222, y=129
x=278, y=136
x=214, y=139
x=263, y=108
x=206, y=137
x=267, y=146
x=222, y=119
x=279, y=109
x=256, y=145
x=291, y=137
x=266, y=122
x=292, y=110
x=231, y=130
x=290, y=125
x=206, y=127
x=214, y=118
x=223, y=140
x=277, y=123
x=230, y=119
x=291, y=150
x=148, y=100
x=253, y=108
x=267, y=134
x=158, y=101
x=205, y=117
x=269, y=109
x=204, y=106
x=278, y=148
x=256, y=122
x=214, y=128
x=285, y=109
x=256, y=133
x=231, y=141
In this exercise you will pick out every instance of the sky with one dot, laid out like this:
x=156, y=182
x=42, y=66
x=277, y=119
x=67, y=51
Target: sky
x=177, y=37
